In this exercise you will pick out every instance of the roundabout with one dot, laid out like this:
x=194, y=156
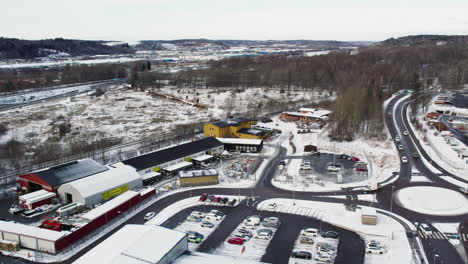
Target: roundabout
x=432, y=200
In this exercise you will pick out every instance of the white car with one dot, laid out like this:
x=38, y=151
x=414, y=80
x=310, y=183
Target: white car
x=464, y=190
x=214, y=217
x=272, y=206
x=333, y=168
x=397, y=138
x=264, y=234
x=404, y=159
x=425, y=229
x=375, y=248
x=400, y=147
x=306, y=167
x=405, y=133
x=323, y=257
x=149, y=215
x=310, y=232
x=198, y=214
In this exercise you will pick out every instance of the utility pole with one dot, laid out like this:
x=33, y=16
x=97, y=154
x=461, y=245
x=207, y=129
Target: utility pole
x=391, y=199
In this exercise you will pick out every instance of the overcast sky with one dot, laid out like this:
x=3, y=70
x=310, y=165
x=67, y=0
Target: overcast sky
x=234, y=19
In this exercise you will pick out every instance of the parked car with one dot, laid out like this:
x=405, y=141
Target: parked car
x=214, y=217
x=425, y=229
x=404, y=159
x=271, y=222
x=194, y=237
x=232, y=202
x=355, y=159
x=306, y=240
x=245, y=232
x=361, y=169
x=325, y=248
x=264, y=234
x=301, y=255
x=272, y=206
x=203, y=197
x=224, y=200
x=193, y=218
x=405, y=133
x=235, y=241
x=207, y=224
x=306, y=167
x=217, y=199
x=198, y=214
x=333, y=168
x=323, y=257
x=149, y=215
x=400, y=147
x=210, y=197
x=217, y=212
x=415, y=155
x=331, y=234
x=283, y=162
x=310, y=232
x=375, y=249
x=397, y=138
x=360, y=163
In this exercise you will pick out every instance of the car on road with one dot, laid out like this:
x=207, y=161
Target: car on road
x=425, y=229
x=310, y=232
x=405, y=133
x=415, y=155
x=203, y=197
x=301, y=255
x=397, y=138
x=193, y=218
x=306, y=240
x=206, y=224
x=198, y=214
x=404, y=159
x=149, y=215
x=271, y=222
x=235, y=241
x=331, y=234
x=463, y=190
x=400, y=147
x=375, y=248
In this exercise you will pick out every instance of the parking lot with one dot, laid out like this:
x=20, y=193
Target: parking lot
x=319, y=248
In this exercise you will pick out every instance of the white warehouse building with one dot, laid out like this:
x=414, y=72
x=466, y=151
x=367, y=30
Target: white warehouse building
x=101, y=186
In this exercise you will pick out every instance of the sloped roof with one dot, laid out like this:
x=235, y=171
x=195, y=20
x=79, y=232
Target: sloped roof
x=69, y=172
x=162, y=156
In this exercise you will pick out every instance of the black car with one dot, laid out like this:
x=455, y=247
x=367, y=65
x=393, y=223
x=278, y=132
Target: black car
x=283, y=162
x=331, y=234
x=415, y=155
x=301, y=255
x=232, y=203
x=224, y=200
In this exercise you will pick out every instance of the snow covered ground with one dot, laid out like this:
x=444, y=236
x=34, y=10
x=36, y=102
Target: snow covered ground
x=203, y=258
x=387, y=229
x=432, y=200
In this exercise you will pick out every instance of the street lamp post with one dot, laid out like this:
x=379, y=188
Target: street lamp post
x=391, y=200
x=435, y=257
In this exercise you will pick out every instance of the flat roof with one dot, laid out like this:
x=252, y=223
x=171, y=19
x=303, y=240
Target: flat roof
x=176, y=152
x=30, y=231
x=106, y=207
x=177, y=166
x=250, y=131
x=203, y=157
x=134, y=244
x=41, y=197
x=231, y=122
x=197, y=173
x=241, y=141
x=150, y=175
x=70, y=171
x=31, y=195
x=368, y=211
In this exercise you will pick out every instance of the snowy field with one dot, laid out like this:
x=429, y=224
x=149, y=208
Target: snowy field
x=387, y=229
x=252, y=249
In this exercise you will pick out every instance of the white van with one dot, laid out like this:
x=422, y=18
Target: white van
x=425, y=229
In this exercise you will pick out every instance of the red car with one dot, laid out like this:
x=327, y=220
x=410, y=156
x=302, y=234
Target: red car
x=236, y=241
x=355, y=159
x=361, y=169
x=203, y=197
x=217, y=199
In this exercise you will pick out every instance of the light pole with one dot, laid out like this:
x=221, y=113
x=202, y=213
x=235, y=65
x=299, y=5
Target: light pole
x=391, y=199
x=435, y=257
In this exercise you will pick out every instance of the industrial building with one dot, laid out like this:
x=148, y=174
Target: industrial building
x=171, y=160
x=307, y=115
x=51, y=179
x=242, y=145
x=138, y=244
x=233, y=128
x=101, y=186
x=198, y=177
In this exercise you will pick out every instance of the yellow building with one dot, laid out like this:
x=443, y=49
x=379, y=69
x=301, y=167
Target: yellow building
x=233, y=128
x=198, y=177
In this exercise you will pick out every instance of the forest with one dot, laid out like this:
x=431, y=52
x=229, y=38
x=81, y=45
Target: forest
x=362, y=81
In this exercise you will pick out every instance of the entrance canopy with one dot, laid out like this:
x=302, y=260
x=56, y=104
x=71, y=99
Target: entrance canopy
x=178, y=166
x=203, y=158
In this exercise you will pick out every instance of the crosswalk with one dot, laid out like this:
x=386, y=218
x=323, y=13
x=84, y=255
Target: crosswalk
x=439, y=235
